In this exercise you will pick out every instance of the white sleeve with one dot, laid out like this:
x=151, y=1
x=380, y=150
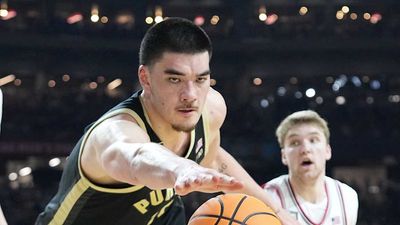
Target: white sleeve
x=350, y=198
x=2, y=219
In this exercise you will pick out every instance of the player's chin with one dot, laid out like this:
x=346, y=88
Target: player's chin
x=187, y=126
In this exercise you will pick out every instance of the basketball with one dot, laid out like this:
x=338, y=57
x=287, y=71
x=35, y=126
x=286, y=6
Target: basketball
x=234, y=209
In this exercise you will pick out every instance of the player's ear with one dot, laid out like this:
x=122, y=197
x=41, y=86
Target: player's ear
x=328, y=152
x=283, y=157
x=144, y=78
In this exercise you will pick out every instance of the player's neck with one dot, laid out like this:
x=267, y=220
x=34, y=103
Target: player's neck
x=311, y=191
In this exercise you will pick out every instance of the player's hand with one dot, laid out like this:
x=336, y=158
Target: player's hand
x=197, y=178
x=286, y=218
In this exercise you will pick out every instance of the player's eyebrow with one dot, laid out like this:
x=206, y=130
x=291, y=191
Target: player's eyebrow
x=176, y=72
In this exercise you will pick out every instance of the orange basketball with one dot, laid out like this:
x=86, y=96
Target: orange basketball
x=234, y=209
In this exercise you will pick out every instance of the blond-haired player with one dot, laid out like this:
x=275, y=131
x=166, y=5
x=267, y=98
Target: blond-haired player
x=306, y=192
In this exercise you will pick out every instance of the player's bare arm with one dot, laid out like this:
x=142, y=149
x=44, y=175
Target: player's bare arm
x=119, y=151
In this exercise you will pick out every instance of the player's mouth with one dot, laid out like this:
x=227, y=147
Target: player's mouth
x=187, y=111
x=306, y=163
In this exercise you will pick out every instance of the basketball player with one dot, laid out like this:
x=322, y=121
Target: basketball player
x=132, y=164
x=306, y=192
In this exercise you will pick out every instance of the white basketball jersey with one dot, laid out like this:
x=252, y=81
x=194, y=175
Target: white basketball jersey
x=339, y=208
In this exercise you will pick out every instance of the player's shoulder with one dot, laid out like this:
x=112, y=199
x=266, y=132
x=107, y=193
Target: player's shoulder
x=215, y=99
x=345, y=188
x=215, y=108
x=275, y=182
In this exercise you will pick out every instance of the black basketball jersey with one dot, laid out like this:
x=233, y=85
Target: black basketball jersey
x=82, y=202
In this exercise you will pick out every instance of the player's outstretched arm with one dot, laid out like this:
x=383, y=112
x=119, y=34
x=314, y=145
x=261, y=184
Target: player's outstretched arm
x=119, y=151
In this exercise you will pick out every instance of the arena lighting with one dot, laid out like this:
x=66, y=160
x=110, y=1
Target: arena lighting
x=281, y=91
x=10, y=14
x=356, y=81
x=66, y=77
x=262, y=17
x=264, y=103
x=345, y=9
x=375, y=84
x=303, y=10
x=394, y=98
x=3, y=9
x=375, y=18
x=17, y=82
x=104, y=19
x=95, y=13
x=74, y=18
x=127, y=18
x=158, y=14
x=319, y=100
x=310, y=92
x=7, y=79
x=25, y=171
x=339, y=83
x=92, y=85
x=271, y=19
x=199, y=20
x=214, y=20
x=353, y=16
x=262, y=13
x=298, y=94
x=51, y=83
x=149, y=20
x=3, y=12
x=114, y=84
x=367, y=16
x=257, y=81
x=340, y=100
x=158, y=19
x=54, y=162
x=339, y=15
x=13, y=176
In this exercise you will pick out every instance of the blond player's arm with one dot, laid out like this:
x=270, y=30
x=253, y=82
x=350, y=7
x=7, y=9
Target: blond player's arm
x=222, y=161
x=119, y=151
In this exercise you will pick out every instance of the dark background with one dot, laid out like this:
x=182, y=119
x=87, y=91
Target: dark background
x=342, y=58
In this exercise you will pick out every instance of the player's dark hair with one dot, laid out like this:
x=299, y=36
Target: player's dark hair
x=173, y=35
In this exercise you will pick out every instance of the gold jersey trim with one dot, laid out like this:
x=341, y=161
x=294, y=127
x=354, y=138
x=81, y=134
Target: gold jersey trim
x=74, y=194
x=84, y=179
x=206, y=125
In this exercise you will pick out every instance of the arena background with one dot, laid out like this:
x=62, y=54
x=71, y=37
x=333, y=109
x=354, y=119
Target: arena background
x=64, y=63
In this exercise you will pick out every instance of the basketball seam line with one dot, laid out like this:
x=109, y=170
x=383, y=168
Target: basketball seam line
x=237, y=209
x=221, y=203
x=219, y=218
x=232, y=219
x=258, y=213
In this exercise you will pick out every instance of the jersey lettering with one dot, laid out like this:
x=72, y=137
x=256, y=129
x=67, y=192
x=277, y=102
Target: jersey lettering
x=155, y=198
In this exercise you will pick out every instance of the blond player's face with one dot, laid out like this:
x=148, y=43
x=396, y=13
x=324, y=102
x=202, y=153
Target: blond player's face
x=178, y=87
x=306, y=151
